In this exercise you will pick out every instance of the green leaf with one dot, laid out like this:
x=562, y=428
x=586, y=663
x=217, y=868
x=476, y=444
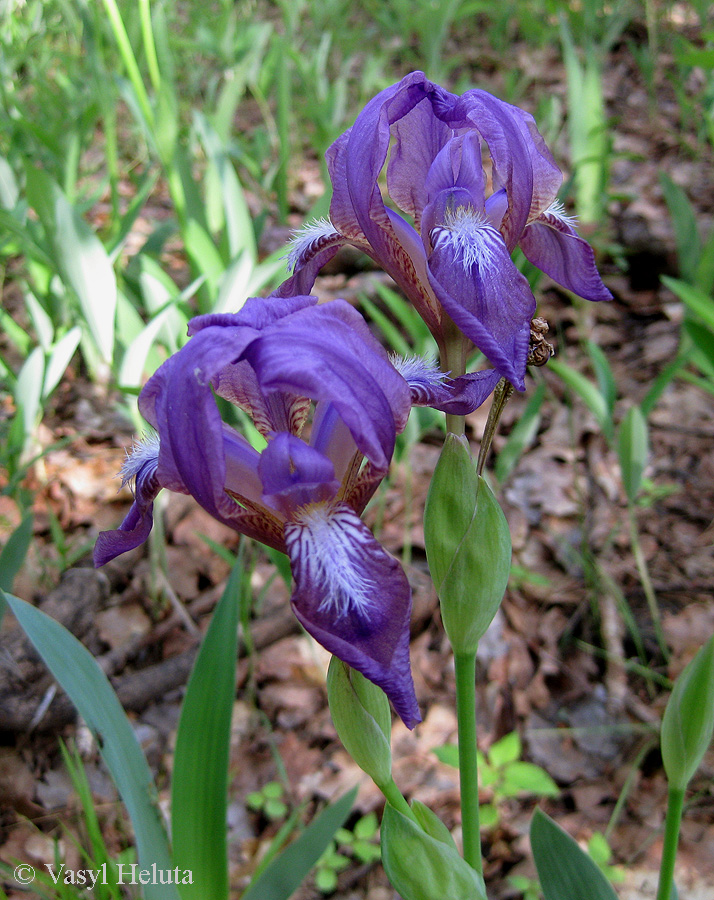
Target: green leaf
x=362, y=719
x=14, y=552
x=506, y=750
x=425, y=865
x=566, y=872
x=588, y=393
x=9, y=191
x=633, y=450
x=448, y=754
x=688, y=722
x=524, y=777
x=684, y=221
x=28, y=389
x=80, y=257
x=199, y=786
x=88, y=688
x=698, y=302
x=488, y=815
x=325, y=880
x=604, y=375
x=288, y=870
x=468, y=546
x=59, y=358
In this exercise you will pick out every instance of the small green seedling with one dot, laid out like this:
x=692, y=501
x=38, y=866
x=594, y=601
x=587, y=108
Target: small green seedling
x=505, y=774
x=360, y=843
x=528, y=887
x=268, y=801
x=601, y=853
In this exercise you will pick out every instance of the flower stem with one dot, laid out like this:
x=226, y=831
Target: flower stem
x=675, y=803
x=465, y=666
x=501, y=396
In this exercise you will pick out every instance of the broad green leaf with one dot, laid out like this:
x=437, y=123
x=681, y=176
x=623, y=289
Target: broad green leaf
x=204, y=255
x=633, y=450
x=688, y=722
x=80, y=258
x=686, y=233
x=234, y=284
x=14, y=552
x=448, y=754
x=199, y=786
x=487, y=815
x=9, y=191
x=604, y=374
x=41, y=321
x=700, y=303
x=506, y=750
x=17, y=335
x=421, y=860
x=468, y=546
x=702, y=353
x=362, y=719
x=88, y=688
x=133, y=364
x=288, y=870
x=59, y=358
x=524, y=777
x=235, y=212
x=566, y=872
x=28, y=389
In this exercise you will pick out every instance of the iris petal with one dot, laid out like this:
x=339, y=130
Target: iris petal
x=137, y=525
x=553, y=245
x=353, y=598
x=478, y=285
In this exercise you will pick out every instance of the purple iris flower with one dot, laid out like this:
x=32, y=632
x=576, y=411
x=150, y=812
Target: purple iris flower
x=304, y=493
x=454, y=262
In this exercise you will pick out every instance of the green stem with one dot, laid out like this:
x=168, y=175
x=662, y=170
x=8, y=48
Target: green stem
x=675, y=803
x=395, y=797
x=647, y=586
x=465, y=665
x=501, y=396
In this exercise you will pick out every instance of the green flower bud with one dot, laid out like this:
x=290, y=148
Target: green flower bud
x=468, y=546
x=421, y=860
x=688, y=722
x=361, y=715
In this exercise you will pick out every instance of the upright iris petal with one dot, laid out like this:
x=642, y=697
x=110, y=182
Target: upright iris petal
x=452, y=255
x=299, y=495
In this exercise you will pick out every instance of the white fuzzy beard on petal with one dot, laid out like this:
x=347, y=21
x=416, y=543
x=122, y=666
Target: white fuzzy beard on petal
x=464, y=230
x=557, y=211
x=417, y=369
x=145, y=450
x=325, y=545
x=305, y=237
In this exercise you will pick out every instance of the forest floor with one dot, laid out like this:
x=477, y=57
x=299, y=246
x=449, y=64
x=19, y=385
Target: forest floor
x=553, y=665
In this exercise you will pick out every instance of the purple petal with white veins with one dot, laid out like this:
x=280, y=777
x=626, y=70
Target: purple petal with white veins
x=478, y=285
x=354, y=599
x=553, y=245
